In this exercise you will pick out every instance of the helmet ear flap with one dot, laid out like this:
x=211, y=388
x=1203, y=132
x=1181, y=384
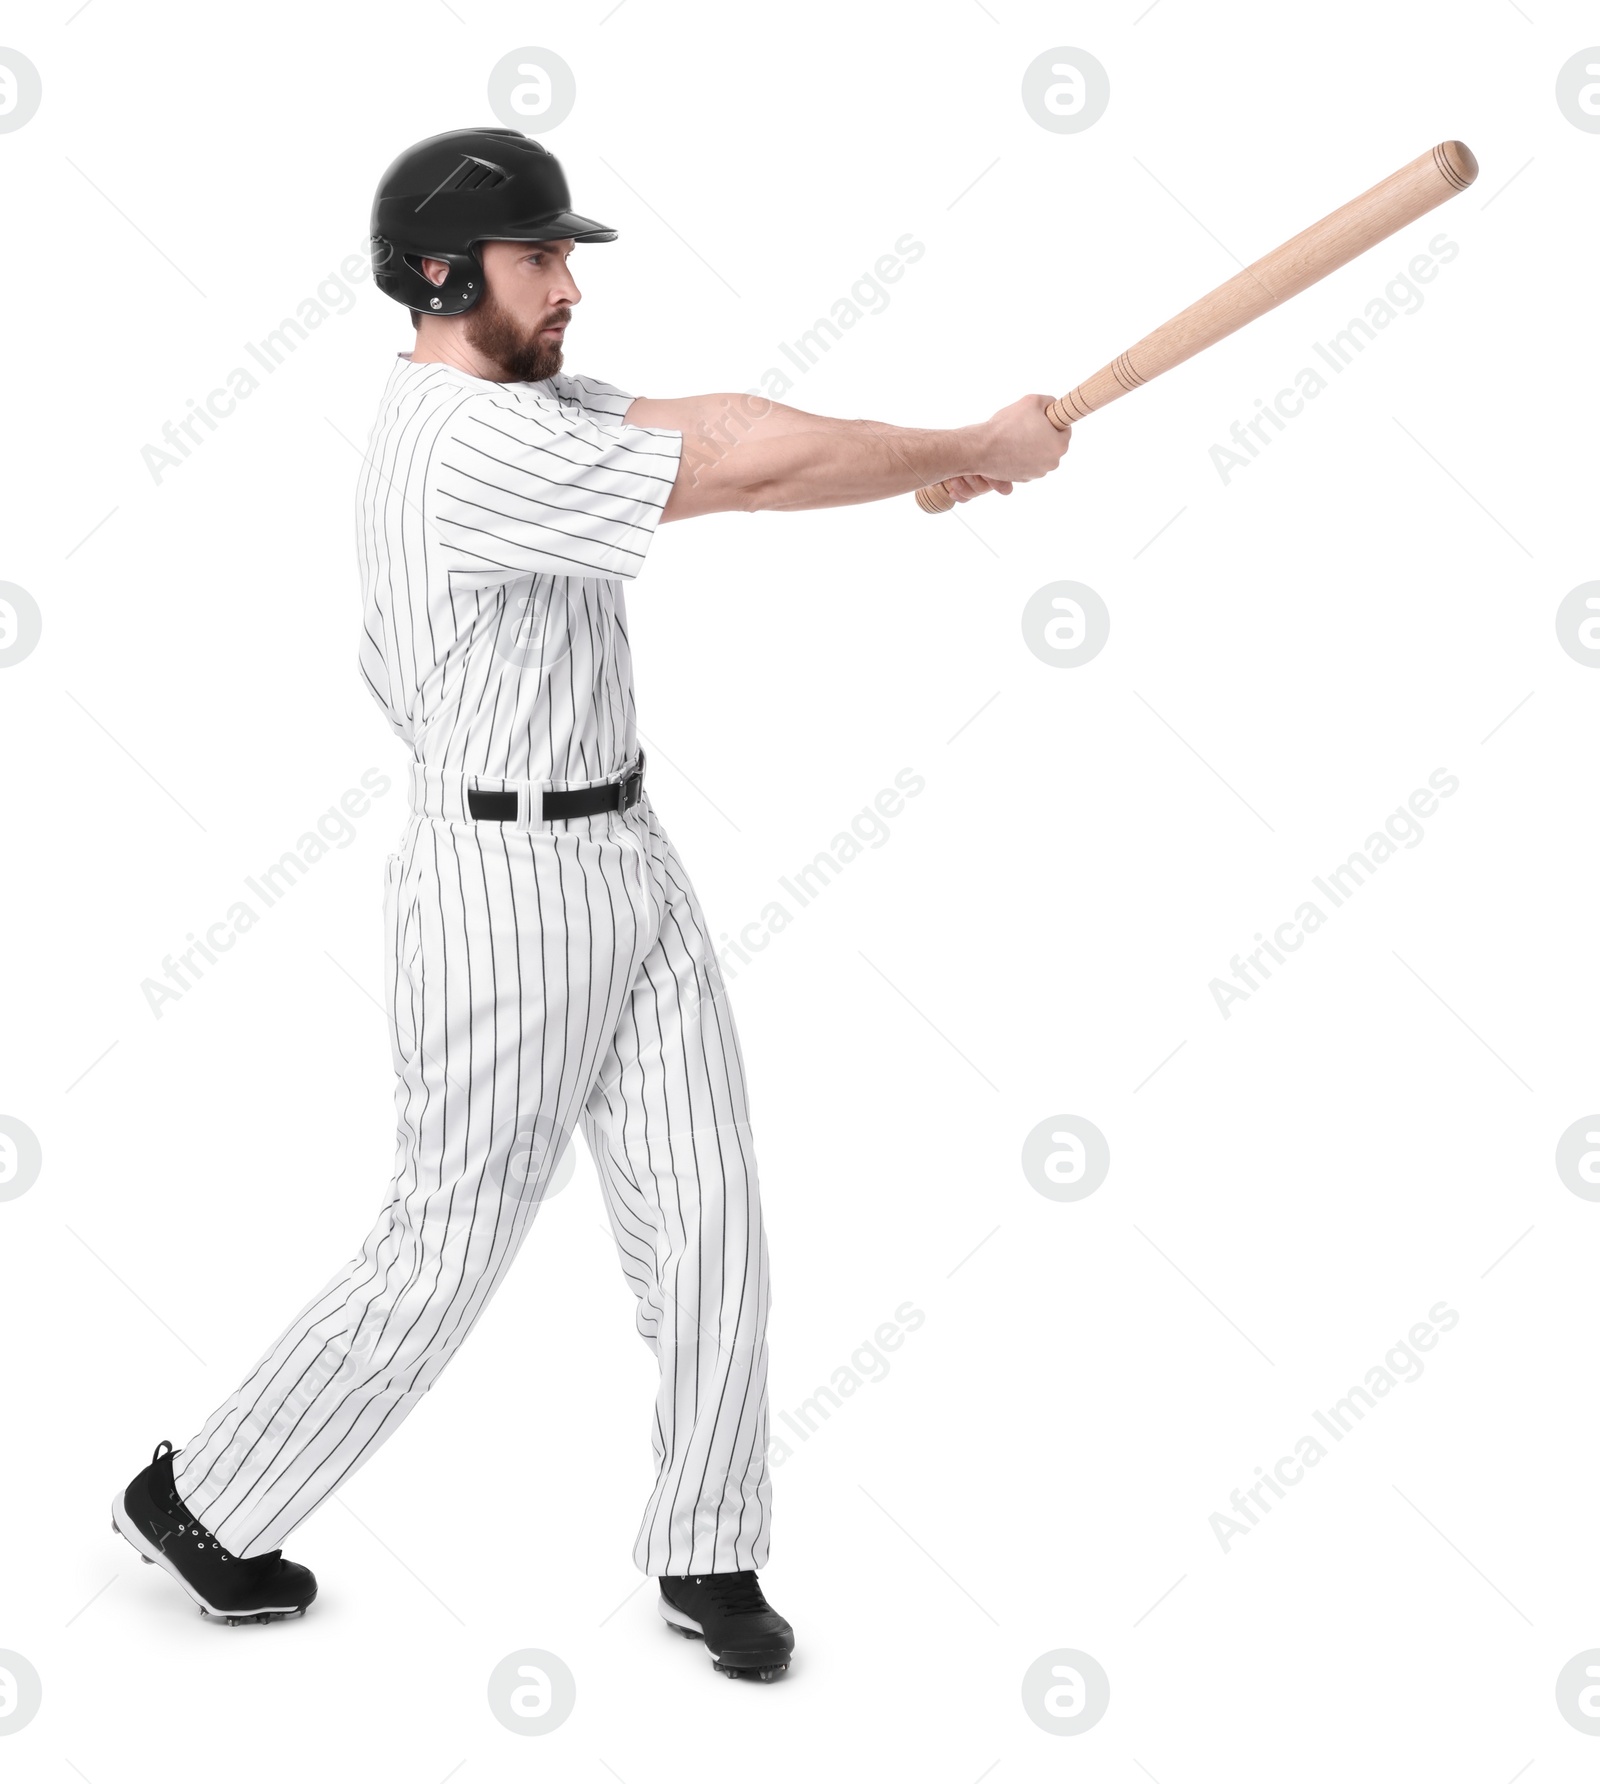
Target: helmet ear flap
x=399, y=275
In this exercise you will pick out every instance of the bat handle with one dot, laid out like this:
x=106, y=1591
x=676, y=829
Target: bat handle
x=936, y=497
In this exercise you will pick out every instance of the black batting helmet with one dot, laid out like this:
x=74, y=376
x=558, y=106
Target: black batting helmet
x=448, y=193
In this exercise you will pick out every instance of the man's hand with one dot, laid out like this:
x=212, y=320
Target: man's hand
x=1018, y=443
x=963, y=489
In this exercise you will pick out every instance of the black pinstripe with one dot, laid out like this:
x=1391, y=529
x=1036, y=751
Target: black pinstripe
x=538, y=978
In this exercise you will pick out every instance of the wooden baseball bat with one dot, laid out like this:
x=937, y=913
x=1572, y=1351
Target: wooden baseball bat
x=1446, y=169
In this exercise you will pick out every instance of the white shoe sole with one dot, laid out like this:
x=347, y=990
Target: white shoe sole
x=762, y=1666
x=679, y=1619
x=131, y=1533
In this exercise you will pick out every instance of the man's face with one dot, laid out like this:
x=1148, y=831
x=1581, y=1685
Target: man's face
x=520, y=321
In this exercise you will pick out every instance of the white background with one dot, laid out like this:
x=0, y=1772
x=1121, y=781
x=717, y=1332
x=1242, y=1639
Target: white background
x=1289, y=1193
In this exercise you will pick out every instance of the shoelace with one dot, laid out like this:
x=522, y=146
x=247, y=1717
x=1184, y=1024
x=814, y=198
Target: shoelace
x=733, y=1591
x=194, y=1528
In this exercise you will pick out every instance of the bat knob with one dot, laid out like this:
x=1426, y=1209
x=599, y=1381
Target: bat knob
x=934, y=499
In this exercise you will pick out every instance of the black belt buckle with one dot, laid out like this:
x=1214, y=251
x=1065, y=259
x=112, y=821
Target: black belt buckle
x=632, y=784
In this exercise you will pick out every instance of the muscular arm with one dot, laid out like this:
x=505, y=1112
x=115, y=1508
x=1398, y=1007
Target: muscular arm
x=743, y=452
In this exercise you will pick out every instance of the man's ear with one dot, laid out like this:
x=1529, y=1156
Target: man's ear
x=435, y=271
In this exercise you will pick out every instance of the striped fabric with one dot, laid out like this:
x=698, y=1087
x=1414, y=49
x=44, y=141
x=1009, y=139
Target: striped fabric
x=495, y=524
x=541, y=977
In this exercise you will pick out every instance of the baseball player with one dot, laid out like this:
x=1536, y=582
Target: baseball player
x=548, y=964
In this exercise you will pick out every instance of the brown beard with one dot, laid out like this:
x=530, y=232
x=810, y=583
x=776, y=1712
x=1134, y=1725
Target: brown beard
x=518, y=352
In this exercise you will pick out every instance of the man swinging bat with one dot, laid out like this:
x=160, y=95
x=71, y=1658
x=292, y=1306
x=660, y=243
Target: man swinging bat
x=548, y=965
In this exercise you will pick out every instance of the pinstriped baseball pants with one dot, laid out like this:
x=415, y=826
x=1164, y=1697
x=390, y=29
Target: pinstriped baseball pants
x=539, y=977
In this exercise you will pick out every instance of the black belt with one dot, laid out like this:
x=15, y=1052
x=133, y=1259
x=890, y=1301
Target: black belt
x=573, y=802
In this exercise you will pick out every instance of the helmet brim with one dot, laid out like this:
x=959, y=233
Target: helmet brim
x=563, y=226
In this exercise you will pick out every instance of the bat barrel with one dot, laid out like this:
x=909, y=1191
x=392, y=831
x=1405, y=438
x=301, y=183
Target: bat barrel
x=1410, y=192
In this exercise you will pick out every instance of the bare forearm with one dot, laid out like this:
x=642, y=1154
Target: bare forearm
x=744, y=452
x=840, y=462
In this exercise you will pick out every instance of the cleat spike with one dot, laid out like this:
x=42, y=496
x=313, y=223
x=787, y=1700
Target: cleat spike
x=764, y=1673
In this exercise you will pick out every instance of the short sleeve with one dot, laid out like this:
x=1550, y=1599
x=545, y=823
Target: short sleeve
x=550, y=488
x=605, y=403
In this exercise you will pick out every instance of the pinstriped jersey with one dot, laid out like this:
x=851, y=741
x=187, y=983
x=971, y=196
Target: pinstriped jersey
x=496, y=525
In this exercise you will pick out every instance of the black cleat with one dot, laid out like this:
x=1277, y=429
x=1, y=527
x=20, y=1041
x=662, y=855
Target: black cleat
x=728, y=1611
x=254, y=1589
